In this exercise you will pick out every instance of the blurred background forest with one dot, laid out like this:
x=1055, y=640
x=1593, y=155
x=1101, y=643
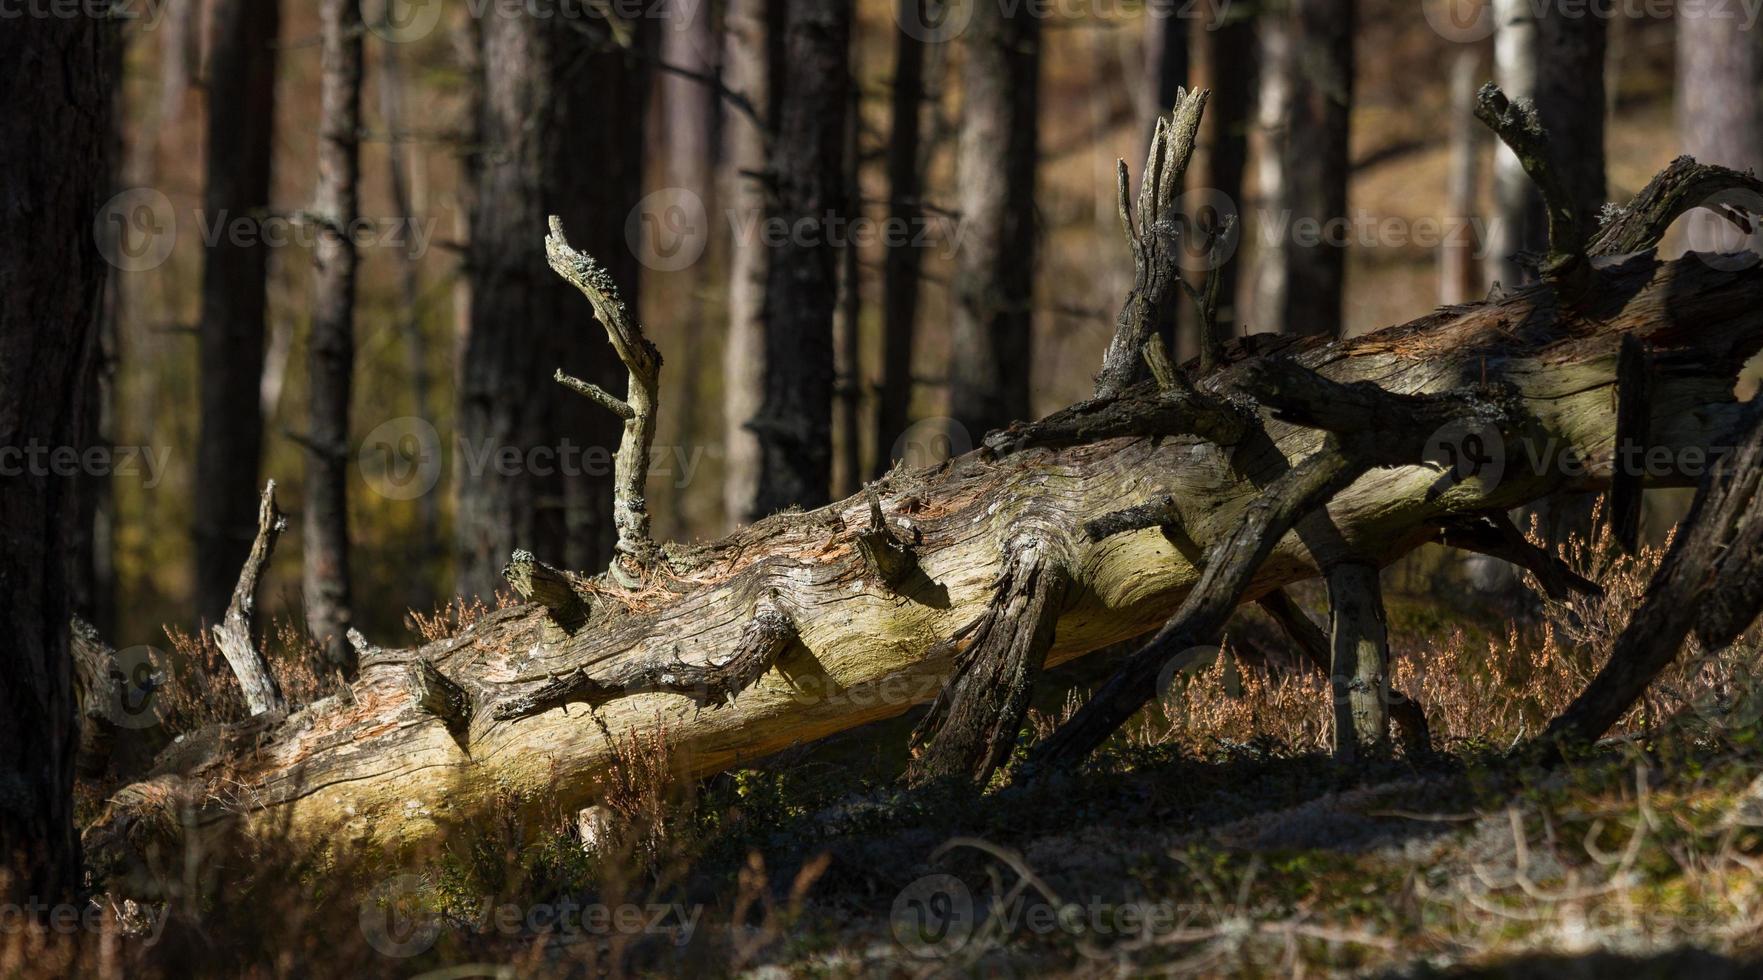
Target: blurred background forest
x=638, y=129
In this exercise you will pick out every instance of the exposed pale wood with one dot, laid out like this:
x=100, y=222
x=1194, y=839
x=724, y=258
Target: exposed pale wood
x=233, y=634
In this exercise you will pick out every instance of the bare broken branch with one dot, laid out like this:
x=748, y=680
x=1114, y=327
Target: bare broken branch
x=887, y=553
x=630, y=512
x=233, y=634
x=1678, y=189
x=1492, y=533
x=1517, y=125
x=1155, y=240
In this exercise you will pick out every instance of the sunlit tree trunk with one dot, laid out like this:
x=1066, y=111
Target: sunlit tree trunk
x=748, y=28
x=901, y=263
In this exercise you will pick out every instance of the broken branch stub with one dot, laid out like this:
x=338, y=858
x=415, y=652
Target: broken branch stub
x=630, y=512
x=1517, y=125
x=1359, y=667
x=233, y=634
x=1154, y=232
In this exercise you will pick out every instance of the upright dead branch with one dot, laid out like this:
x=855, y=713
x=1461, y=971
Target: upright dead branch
x=553, y=588
x=233, y=634
x=1359, y=671
x=1407, y=713
x=1517, y=125
x=887, y=551
x=1711, y=582
x=1155, y=238
x=630, y=512
x=973, y=723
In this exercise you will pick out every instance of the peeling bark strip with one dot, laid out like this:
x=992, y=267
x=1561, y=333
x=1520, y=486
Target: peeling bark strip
x=374, y=767
x=233, y=634
x=973, y=723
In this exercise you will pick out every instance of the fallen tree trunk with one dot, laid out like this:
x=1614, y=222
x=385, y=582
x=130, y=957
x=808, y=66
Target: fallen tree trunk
x=806, y=624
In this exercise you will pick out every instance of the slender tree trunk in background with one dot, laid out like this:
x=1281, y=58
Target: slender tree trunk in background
x=390, y=78
x=331, y=347
x=54, y=153
x=1519, y=224
x=1458, y=282
x=1317, y=165
x=687, y=120
x=990, y=357
x=848, y=349
x=1166, y=64
x=901, y=262
x=794, y=424
x=1223, y=61
x=241, y=127
x=551, y=94
x=1570, y=102
x=1273, y=108
x=1719, y=112
x=747, y=69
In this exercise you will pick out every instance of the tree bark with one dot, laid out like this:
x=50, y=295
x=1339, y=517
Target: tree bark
x=551, y=96
x=991, y=329
x=1317, y=162
x=330, y=372
x=54, y=150
x=747, y=68
x=1719, y=110
x=901, y=263
x=794, y=424
x=848, y=641
x=1273, y=110
x=1224, y=60
x=1519, y=224
x=1360, y=668
x=241, y=132
x=1458, y=281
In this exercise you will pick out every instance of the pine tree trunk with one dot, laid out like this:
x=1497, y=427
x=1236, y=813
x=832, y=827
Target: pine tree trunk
x=1457, y=271
x=57, y=73
x=901, y=264
x=794, y=424
x=1224, y=59
x=991, y=328
x=1719, y=112
x=1519, y=224
x=748, y=28
x=241, y=130
x=1317, y=163
x=330, y=372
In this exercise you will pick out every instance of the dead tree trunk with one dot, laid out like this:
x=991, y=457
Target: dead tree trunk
x=794, y=424
x=55, y=155
x=241, y=131
x=324, y=553
x=902, y=262
x=958, y=584
x=991, y=343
